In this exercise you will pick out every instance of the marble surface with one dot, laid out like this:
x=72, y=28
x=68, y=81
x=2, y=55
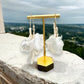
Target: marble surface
x=68, y=67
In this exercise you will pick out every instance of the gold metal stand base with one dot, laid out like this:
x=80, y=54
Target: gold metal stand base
x=45, y=65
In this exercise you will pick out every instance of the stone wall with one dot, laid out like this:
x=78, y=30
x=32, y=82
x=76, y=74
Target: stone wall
x=68, y=67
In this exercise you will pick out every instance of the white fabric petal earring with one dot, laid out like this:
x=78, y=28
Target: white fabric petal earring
x=55, y=43
x=33, y=45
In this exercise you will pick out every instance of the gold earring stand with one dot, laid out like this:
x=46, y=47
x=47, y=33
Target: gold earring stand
x=44, y=63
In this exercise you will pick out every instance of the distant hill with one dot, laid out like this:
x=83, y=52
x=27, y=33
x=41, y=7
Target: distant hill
x=70, y=32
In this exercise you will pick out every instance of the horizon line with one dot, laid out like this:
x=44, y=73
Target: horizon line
x=41, y=23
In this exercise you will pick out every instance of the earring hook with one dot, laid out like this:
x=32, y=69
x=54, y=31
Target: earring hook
x=55, y=21
x=30, y=22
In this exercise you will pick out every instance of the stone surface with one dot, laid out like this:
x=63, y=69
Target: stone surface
x=2, y=30
x=68, y=69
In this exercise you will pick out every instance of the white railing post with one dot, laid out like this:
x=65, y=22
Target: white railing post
x=2, y=29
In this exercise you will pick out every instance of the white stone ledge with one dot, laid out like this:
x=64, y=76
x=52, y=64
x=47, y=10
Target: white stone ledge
x=69, y=68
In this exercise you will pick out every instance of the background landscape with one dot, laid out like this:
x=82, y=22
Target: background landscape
x=70, y=23
x=73, y=34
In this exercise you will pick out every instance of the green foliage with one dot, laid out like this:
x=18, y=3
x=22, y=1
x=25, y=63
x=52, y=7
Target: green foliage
x=74, y=48
x=21, y=34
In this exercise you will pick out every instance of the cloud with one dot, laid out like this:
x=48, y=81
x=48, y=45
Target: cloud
x=69, y=7
x=17, y=10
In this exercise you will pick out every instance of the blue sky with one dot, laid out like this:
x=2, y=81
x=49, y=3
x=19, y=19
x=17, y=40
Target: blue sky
x=71, y=11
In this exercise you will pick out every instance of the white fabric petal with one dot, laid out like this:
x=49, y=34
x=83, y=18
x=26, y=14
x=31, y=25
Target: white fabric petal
x=55, y=45
x=38, y=39
x=27, y=45
x=32, y=46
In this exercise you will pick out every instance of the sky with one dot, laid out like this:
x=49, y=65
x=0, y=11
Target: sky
x=71, y=11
